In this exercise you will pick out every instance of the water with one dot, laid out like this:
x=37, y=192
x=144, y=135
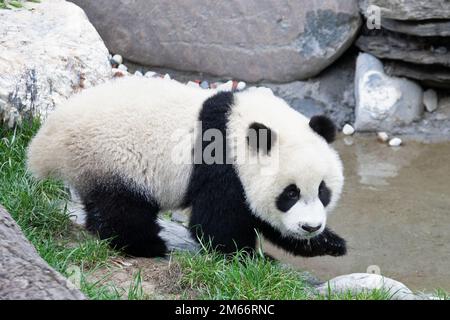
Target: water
x=394, y=213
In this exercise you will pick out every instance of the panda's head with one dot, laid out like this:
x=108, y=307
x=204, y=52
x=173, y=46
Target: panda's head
x=298, y=177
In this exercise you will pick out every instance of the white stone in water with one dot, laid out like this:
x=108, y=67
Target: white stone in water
x=395, y=142
x=167, y=76
x=122, y=67
x=348, y=141
x=227, y=86
x=150, y=74
x=348, y=130
x=138, y=73
x=430, y=100
x=118, y=58
x=382, y=136
x=241, y=85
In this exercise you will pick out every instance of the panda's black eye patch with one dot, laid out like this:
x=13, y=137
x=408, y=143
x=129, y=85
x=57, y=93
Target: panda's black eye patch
x=324, y=194
x=287, y=198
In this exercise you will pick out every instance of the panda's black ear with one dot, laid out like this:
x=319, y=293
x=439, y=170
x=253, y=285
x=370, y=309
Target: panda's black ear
x=260, y=138
x=324, y=127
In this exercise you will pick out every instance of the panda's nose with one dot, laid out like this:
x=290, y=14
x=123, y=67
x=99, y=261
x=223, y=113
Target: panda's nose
x=311, y=229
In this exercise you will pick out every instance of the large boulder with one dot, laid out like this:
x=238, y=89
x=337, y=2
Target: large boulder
x=249, y=40
x=410, y=10
x=383, y=102
x=47, y=53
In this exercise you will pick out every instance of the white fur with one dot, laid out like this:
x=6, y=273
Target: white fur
x=126, y=127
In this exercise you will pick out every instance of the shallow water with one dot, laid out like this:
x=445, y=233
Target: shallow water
x=394, y=214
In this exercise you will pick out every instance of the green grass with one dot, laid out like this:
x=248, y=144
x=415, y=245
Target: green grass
x=9, y=4
x=38, y=208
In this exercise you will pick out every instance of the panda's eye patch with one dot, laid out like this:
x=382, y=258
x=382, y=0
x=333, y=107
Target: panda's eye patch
x=324, y=194
x=287, y=198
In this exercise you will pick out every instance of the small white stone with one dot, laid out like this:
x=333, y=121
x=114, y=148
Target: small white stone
x=149, y=74
x=118, y=58
x=227, y=86
x=138, y=73
x=348, y=141
x=241, y=85
x=167, y=76
x=395, y=142
x=348, y=130
x=382, y=136
x=122, y=67
x=430, y=100
x=192, y=84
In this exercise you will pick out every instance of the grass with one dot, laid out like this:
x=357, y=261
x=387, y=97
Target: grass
x=39, y=207
x=10, y=4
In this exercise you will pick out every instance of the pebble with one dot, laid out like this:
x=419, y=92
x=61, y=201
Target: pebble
x=117, y=58
x=382, y=136
x=227, y=86
x=204, y=84
x=348, y=141
x=149, y=74
x=122, y=67
x=167, y=76
x=138, y=73
x=430, y=100
x=348, y=130
x=241, y=85
x=395, y=142
x=192, y=84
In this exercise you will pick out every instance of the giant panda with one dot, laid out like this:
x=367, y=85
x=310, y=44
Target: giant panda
x=119, y=146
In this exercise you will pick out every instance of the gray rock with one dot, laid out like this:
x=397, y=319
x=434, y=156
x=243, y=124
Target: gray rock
x=177, y=237
x=430, y=100
x=410, y=10
x=46, y=55
x=389, y=45
x=431, y=28
x=383, y=102
x=248, y=40
x=434, y=76
x=330, y=93
x=364, y=282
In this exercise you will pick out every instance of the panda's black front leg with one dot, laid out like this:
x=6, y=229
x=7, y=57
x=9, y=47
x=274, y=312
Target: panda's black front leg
x=220, y=218
x=326, y=243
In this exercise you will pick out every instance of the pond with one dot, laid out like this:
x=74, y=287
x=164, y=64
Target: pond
x=394, y=213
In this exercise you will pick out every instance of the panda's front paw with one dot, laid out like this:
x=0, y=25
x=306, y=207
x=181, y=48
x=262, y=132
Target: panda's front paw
x=332, y=243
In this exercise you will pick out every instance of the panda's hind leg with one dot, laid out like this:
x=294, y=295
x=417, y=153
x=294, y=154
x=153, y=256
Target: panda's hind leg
x=128, y=218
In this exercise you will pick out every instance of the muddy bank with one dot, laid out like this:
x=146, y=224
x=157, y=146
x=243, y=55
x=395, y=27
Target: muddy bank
x=394, y=212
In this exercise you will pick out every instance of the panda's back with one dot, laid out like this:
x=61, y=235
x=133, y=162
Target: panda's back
x=127, y=129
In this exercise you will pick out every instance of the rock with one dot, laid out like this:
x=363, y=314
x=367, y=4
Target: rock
x=435, y=76
x=150, y=74
x=46, y=55
x=383, y=102
x=204, y=84
x=382, y=137
x=241, y=85
x=138, y=73
x=247, y=40
x=348, y=130
x=117, y=58
x=363, y=282
x=389, y=45
x=395, y=142
x=167, y=76
x=430, y=100
x=330, y=93
x=433, y=28
x=122, y=67
x=410, y=10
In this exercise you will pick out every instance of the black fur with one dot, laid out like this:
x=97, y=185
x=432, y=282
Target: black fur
x=323, y=126
x=324, y=194
x=288, y=198
x=128, y=218
x=220, y=213
x=257, y=132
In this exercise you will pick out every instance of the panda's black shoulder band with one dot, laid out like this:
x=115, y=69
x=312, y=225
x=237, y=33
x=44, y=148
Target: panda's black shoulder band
x=323, y=126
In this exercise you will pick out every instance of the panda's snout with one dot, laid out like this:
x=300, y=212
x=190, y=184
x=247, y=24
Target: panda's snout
x=309, y=228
